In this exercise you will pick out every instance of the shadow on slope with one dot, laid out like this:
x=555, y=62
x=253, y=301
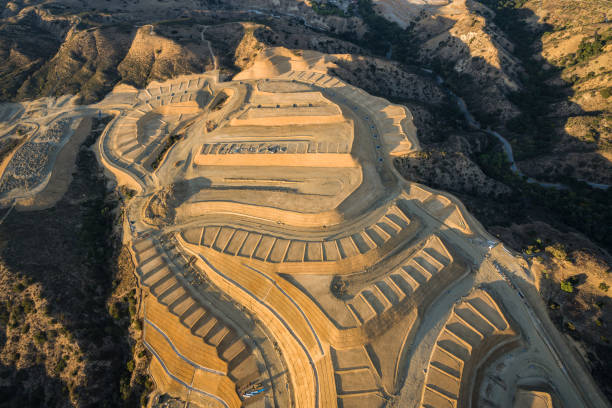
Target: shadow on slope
x=30, y=387
x=69, y=250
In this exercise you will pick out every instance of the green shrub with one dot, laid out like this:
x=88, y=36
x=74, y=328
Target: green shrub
x=60, y=366
x=132, y=307
x=28, y=305
x=40, y=338
x=143, y=399
x=4, y=313
x=124, y=388
x=603, y=286
x=606, y=92
x=339, y=287
x=52, y=334
x=558, y=251
x=567, y=286
x=589, y=48
x=137, y=324
x=113, y=310
x=327, y=9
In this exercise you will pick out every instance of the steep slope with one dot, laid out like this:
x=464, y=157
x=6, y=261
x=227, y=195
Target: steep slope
x=39, y=61
x=85, y=63
x=458, y=39
x=69, y=324
x=24, y=47
x=573, y=47
x=152, y=57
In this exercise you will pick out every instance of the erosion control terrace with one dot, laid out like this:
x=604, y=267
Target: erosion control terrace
x=287, y=263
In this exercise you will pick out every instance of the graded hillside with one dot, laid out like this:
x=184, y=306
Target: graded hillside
x=346, y=271
x=284, y=261
x=283, y=241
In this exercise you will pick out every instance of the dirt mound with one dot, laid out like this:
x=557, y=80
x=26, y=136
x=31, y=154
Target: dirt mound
x=160, y=211
x=274, y=61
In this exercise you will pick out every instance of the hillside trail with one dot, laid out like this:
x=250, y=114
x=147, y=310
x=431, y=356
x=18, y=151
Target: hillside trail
x=214, y=57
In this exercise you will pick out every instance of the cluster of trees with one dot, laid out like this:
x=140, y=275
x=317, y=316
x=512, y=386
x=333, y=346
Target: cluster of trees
x=328, y=9
x=13, y=314
x=590, y=48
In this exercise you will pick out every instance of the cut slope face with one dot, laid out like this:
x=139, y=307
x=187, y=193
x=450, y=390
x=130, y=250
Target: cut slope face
x=285, y=262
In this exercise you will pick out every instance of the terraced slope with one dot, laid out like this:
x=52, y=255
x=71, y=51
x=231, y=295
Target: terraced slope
x=194, y=347
x=285, y=262
x=282, y=196
x=474, y=329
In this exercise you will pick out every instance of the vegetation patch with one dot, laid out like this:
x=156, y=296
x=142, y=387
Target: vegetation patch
x=590, y=48
x=581, y=206
x=328, y=9
x=170, y=141
x=339, y=287
x=567, y=286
